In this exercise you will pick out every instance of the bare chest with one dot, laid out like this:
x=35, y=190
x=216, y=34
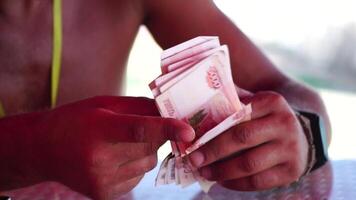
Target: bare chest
x=97, y=36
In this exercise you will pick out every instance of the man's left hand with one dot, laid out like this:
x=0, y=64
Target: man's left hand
x=268, y=151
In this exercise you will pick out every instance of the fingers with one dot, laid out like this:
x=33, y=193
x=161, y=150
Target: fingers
x=125, y=187
x=123, y=105
x=248, y=163
x=109, y=155
x=135, y=168
x=134, y=128
x=129, y=105
x=128, y=176
x=116, y=190
x=238, y=138
x=274, y=177
x=121, y=178
x=265, y=103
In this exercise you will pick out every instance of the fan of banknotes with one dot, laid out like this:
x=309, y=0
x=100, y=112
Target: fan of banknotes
x=196, y=86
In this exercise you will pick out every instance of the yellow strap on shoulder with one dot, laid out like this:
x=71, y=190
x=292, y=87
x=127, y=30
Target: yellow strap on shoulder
x=2, y=111
x=57, y=50
x=56, y=54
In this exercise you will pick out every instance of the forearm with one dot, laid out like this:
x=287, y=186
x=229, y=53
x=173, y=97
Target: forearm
x=19, y=164
x=262, y=75
x=251, y=69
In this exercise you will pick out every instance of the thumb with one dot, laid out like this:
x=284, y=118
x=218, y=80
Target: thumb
x=120, y=104
x=244, y=95
x=136, y=128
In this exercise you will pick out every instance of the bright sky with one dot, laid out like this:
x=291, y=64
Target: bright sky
x=287, y=21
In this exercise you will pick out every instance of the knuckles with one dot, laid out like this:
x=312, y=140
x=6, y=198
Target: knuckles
x=213, y=152
x=92, y=116
x=242, y=135
x=257, y=182
x=138, y=132
x=139, y=128
x=272, y=98
x=276, y=99
x=249, y=165
x=290, y=120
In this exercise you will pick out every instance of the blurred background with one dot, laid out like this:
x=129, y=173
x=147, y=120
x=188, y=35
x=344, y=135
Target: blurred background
x=311, y=40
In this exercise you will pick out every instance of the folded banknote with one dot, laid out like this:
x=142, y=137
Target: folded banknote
x=196, y=86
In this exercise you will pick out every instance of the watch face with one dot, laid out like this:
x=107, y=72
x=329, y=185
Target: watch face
x=319, y=138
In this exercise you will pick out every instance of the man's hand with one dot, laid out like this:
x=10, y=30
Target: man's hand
x=102, y=146
x=269, y=151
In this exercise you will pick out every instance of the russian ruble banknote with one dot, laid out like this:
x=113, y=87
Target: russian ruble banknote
x=196, y=86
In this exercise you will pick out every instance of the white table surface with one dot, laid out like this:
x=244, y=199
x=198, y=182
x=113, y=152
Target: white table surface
x=335, y=181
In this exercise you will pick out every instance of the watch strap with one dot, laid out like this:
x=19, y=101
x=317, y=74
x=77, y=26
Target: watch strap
x=318, y=133
x=305, y=123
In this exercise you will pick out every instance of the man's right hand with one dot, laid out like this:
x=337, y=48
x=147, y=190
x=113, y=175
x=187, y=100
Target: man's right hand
x=102, y=146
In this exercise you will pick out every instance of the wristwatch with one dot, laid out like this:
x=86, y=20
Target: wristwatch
x=315, y=133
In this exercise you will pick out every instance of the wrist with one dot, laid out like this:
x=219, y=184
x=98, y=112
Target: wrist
x=305, y=124
x=315, y=134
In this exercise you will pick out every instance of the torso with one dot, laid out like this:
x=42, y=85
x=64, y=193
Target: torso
x=97, y=37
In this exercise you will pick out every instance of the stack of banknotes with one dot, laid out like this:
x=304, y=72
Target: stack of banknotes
x=196, y=86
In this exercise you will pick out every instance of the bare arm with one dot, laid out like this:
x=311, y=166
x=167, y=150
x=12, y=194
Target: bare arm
x=175, y=21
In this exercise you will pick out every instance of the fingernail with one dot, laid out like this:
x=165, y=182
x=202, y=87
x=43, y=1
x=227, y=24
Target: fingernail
x=196, y=158
x=206, y=173
x=188, y=135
